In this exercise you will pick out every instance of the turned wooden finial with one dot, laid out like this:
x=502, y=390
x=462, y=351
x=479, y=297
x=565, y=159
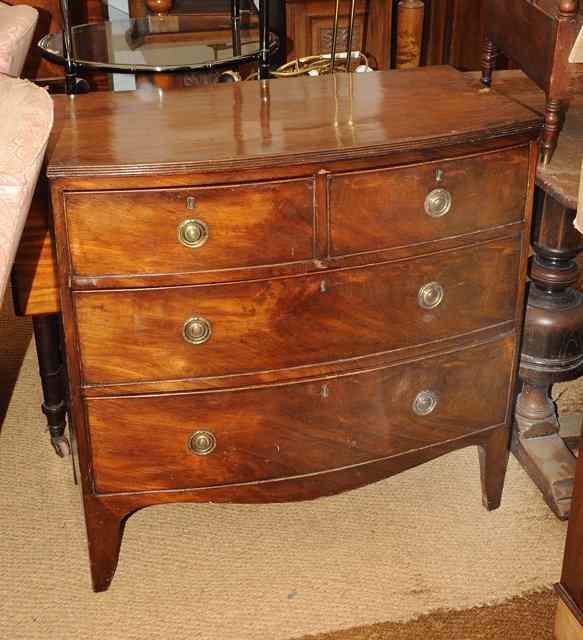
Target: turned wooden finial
x=568, y=8
x=159, y=7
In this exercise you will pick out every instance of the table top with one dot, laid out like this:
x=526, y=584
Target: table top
x=196, y=41
x=269, y=122
x=561, y=177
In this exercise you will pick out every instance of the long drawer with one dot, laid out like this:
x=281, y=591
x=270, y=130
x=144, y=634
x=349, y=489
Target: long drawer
x=214, y=330
x=378, y=209
x=158, y=231
x=203, y=439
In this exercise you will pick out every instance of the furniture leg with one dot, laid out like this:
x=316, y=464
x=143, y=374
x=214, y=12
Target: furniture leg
x=551, y=129
x=567, y=624
x=264, y=59
x=488, y=62
x=552, y=351
x=52, y=373
x=105, y=527
x=493, y=455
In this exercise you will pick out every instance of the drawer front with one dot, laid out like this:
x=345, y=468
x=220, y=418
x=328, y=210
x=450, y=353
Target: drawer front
x=214, y=330
x=374, y=210
x=197, y=440
x=186, y=230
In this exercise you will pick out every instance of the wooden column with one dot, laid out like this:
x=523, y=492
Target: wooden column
x=552, y=351
x=409, y=33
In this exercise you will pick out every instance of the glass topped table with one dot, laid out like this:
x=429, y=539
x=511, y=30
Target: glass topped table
x=198, y=41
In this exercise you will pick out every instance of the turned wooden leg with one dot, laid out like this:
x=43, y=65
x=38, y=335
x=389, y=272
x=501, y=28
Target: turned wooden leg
x=488, y=62
x=493, y=456
x=552, y=351
x=551, y=129
x=104, y=535
x=50, y=362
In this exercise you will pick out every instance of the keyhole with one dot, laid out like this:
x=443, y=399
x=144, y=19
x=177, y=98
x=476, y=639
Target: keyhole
x=323, y=286
x=324, y=391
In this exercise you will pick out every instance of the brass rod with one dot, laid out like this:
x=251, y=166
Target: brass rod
x=335, y=35
x=349, y=38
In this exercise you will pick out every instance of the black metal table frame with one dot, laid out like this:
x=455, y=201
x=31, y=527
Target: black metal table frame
x=73, y=66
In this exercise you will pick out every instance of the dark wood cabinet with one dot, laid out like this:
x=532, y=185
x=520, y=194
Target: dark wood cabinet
x=454, y=33
x=309, y=28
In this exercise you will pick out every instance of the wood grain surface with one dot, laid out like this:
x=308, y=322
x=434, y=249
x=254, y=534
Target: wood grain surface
x=277, y=432
x=135, y=232
x=486, y=191
x=323, y=358
x=291, y=322
x=275, y=122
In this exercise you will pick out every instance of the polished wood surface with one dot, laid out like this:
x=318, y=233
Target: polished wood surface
x=34, y=275
x=34, y=280
x=103, y=226
x=296, y=429
x=317, y=121
x=291, y=322
x=405, y=190
x=350, y=362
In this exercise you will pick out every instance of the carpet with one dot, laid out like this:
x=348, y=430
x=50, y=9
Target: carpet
x=388, y=553
x=528, y=617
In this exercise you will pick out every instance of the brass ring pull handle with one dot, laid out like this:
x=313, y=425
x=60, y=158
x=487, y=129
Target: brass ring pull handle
x=425, y=403
x=438, y=202
x=430, y=295
x=197, y=330
x=201, y=443
x=193, y=233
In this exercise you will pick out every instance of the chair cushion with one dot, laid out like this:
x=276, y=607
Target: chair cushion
x=23, y=141
x=17, y=26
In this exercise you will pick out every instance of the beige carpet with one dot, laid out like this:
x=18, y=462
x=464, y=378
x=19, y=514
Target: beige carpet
x=412, y=544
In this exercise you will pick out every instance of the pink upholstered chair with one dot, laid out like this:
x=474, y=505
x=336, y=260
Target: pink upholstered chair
x=17, y=26
x=25, y=123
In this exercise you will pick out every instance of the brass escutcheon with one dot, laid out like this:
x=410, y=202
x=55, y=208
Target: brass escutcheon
x=438, y=202
x=192, y=233
x=202, y=443
x=196, y=330
x=430, y=295
x=425, y=402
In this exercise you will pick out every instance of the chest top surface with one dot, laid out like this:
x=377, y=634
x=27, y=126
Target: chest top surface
x=266, y=123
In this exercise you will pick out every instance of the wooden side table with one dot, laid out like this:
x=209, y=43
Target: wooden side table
x=552, y=349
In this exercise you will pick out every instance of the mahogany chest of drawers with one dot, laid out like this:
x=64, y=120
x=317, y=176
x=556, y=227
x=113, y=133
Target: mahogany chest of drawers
x=285, y=289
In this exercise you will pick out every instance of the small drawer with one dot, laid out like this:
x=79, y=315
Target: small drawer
x=157, y=231
x=203, y=439
x=217, y=330
x=374, y=210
